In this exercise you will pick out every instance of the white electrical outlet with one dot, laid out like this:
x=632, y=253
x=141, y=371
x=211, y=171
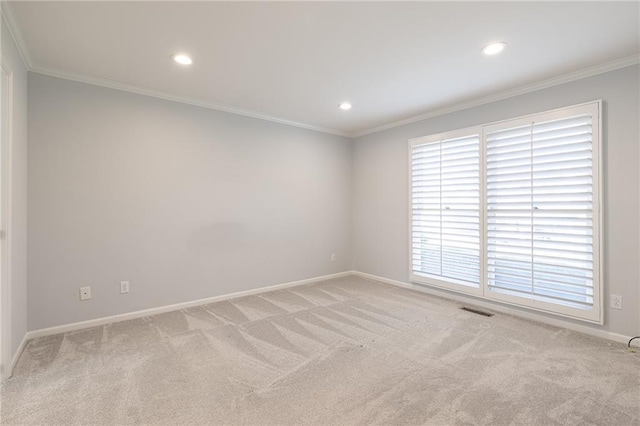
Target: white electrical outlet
x=616, y=302
x=124, y=287
x=85, y=293
x=333, y=257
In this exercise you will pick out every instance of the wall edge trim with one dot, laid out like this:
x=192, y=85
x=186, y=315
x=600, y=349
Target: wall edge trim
x=16, y=34
x=16, y=355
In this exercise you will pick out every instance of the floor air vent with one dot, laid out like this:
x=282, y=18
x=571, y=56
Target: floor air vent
x=477, y=311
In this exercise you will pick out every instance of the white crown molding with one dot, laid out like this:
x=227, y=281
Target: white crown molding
x=555, y=81
x=14, y=29
x=510, y=93
x=111, y=84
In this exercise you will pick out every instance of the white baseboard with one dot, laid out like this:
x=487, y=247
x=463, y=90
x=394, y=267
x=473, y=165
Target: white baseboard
x=162, y=309
x=428, y=290
x=501, y=308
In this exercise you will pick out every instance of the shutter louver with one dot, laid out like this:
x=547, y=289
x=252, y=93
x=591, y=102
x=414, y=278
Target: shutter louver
x=446, y=209
x=540, y=211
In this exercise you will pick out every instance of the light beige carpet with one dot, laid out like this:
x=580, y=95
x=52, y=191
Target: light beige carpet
x=347, y=351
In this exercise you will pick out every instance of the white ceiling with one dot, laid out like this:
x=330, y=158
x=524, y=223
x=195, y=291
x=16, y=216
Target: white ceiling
x=298, y=61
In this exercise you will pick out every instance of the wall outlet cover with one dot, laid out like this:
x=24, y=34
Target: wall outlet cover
x=616, y=302
x=85, y=293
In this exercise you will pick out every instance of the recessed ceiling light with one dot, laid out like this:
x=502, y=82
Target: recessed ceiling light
x=345, y=106
x=182, y=59
x=494, y=48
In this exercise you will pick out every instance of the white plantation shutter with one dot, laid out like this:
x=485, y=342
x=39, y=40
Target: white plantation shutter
x=540, y=211
x=445, y=235
x=510, y=211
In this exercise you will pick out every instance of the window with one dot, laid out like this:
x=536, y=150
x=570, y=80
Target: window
x=446, y=209
x=510, y=211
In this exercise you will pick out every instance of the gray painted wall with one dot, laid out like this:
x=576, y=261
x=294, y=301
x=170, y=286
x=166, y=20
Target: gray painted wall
x=187, y=203
x=380, y=175
x=182, y=201
x=12, y=59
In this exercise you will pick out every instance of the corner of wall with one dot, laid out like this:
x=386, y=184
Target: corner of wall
x=16, y=60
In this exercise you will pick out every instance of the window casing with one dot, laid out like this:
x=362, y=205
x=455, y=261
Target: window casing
x=524, y=194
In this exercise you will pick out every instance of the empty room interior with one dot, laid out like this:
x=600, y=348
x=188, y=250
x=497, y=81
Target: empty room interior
x=283, y=213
